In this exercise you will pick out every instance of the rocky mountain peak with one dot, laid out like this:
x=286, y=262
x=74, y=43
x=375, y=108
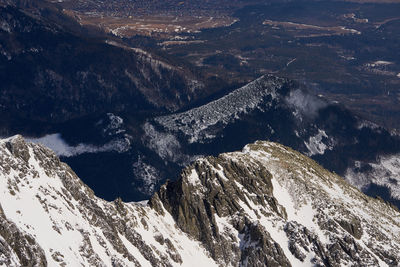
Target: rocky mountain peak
x=247, y=206
x=266, y=205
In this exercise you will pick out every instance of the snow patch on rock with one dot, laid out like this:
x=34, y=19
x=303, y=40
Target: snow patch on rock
x=197, y=124
x=114, y=125
x=148, y=174
x=367, y=124
x=315, y=144
x=385, y=172
x=166, y=145
x=193, y=178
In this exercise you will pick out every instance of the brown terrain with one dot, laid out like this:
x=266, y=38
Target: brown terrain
x=161, y=26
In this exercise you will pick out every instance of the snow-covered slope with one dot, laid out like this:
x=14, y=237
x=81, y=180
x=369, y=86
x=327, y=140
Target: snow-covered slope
x=271, y=206
x=266, y=205
x=58, y=220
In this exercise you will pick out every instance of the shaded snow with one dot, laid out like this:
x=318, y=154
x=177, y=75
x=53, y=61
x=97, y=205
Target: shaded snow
x=197, y=123
x=114, y=126
x=315, y=144
x=164, y=144
x=149, y=175
x=385, y=172
x=367, y=124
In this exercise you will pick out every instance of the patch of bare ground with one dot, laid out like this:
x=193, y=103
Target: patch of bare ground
x=321, y=31
x=155, y=26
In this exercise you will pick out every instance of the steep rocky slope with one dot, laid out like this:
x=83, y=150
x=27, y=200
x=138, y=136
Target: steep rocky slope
x=283, y=111
x=49, y=217
x=53, y=70
x=265, y=205
x=273, y=206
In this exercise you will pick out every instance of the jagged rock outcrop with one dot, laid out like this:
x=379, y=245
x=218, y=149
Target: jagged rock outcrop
x=265, y=206
x=270, y=205
x=51, y=218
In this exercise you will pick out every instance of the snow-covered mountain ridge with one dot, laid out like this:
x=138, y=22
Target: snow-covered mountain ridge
x=267, y=205
x=49, y=217
x=196, y=122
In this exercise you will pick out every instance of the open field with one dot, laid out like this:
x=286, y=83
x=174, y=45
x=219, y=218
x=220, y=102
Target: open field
x=155, y=26
x=323, y=31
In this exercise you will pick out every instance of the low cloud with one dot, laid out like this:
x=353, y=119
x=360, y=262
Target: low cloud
x=304, y=103
x=61, y=148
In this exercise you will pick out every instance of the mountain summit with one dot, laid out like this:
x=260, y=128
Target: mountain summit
x=266, y=205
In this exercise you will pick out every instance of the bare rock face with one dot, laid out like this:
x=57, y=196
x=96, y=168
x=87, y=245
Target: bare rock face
x=208, y=192
x=271, y=206
x=265, y=206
